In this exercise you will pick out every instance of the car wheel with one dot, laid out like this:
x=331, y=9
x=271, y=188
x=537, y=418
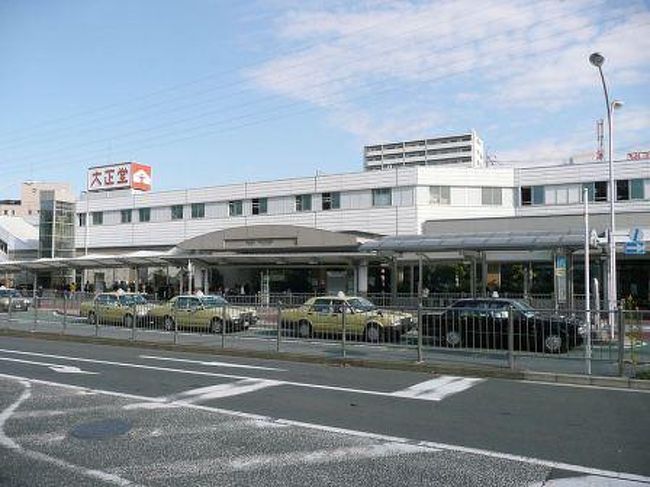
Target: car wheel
x=453, y=338
x=128, y=321
x=304, y=329
x=373, y=333
x=92, y=318
x=168, y=323
x=216, y=325
x=555, y=343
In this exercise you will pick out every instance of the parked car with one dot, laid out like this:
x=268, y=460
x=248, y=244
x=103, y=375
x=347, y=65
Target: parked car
x=324, y=314
x=117, y=307
x=13, y=296
x=483, y=323
x=206, y=312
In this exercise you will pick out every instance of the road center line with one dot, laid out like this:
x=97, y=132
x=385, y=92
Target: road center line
x=431, y=446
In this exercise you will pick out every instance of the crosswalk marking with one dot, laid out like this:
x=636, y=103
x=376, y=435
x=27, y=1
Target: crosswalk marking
x=202, y=394
x=438, y=388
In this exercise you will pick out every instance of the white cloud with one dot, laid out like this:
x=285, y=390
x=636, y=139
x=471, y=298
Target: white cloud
x=500, y=55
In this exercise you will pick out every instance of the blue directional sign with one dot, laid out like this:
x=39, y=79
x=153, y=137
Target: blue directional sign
x=636, y=244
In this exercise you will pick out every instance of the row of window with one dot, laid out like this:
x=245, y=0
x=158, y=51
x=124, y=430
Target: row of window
x=626, y=190
x=259, y=206
x=419, y=143
x=441, y=195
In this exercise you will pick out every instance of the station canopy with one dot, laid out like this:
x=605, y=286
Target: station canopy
x=261, y=245
x=494, y=241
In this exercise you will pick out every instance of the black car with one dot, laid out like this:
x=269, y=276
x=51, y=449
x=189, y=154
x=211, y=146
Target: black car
x=483, y=323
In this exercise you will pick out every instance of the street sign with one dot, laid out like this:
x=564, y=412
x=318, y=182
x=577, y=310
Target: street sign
x=636, y=244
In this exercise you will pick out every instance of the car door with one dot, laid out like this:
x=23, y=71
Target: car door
x=497, y=324
x=182, y=312
x=320, y=314
x=195, y=313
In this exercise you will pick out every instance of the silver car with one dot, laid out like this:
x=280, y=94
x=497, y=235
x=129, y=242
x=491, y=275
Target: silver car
x=13, y=296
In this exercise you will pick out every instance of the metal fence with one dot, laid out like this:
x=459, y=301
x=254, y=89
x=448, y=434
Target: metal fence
x=496, y=333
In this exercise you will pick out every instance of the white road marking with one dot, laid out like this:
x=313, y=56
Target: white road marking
x=211, y=363
x=36, y=455
x=330, y=455
x=439, y=388
x=429, y=445
x=207, y=393
x=206, y=374
x=63, y=369
x=586, y=481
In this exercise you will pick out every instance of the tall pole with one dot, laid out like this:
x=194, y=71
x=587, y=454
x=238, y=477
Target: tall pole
x=587, y=285
x=597, y=60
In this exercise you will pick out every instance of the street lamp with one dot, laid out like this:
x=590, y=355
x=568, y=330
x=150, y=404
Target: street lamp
x=597, y=60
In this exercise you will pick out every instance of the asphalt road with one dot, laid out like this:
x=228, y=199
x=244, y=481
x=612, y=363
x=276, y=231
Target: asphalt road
x=79, y=414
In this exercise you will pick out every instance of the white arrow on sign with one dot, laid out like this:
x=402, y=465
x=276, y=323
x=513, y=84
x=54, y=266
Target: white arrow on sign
x=63, y=369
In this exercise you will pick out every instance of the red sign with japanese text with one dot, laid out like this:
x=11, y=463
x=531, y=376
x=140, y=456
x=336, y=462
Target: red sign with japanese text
x=638, y=155
x=119, y=176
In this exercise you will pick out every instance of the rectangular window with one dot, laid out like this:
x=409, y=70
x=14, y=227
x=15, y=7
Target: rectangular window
x=637, y=191
x=126, y=216
x=600, y=191
x=98, y=217
x=303, y=202
x=177, y=212
x=82, y=219
x=259, y=206
x=235, y=208
x=491, y=196
x=198, y=210
x=538, y=195
x=382, y=197
x=526, y=196
x=622, y=190
x=144, y=214
x=439, y=195
x=331, y=201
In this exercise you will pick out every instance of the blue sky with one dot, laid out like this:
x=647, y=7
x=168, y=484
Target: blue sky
x=217, y=91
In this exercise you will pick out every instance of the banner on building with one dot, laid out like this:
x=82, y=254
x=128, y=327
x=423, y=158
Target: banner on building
x=119, y=176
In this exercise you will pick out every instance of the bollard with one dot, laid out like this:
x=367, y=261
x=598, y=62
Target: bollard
x=134, y=312
x=420, y=332
x=35, y=314
x=175, y=326
x=621, y=343
x=223, y=327
x=343, y=328
x=279, y=327
x=96, y=319
x=65, y=315
x=511, y=339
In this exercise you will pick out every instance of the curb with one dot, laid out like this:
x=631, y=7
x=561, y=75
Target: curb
x=483, y=371
x=588, y=380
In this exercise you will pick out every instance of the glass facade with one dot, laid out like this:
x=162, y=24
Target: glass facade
x=56, y=227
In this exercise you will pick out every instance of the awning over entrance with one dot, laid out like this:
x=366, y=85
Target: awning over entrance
x=476, y=242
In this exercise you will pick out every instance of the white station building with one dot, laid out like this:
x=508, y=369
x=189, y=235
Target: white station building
x=425, y=196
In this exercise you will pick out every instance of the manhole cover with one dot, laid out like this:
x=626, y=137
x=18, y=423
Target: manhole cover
x=97, y=430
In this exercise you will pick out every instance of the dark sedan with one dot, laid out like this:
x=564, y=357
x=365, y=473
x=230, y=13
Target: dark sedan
x=483, y=323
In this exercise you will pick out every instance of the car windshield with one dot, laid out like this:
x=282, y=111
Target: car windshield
x=131, y=299
x=524, y=307
x=213, y=301
x=361, y=304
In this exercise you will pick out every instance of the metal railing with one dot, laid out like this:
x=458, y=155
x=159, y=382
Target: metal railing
x=533, y=339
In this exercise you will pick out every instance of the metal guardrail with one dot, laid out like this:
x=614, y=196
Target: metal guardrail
x=496, y=336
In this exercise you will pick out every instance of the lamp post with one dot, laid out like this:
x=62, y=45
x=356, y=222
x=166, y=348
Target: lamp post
x=597, y=60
